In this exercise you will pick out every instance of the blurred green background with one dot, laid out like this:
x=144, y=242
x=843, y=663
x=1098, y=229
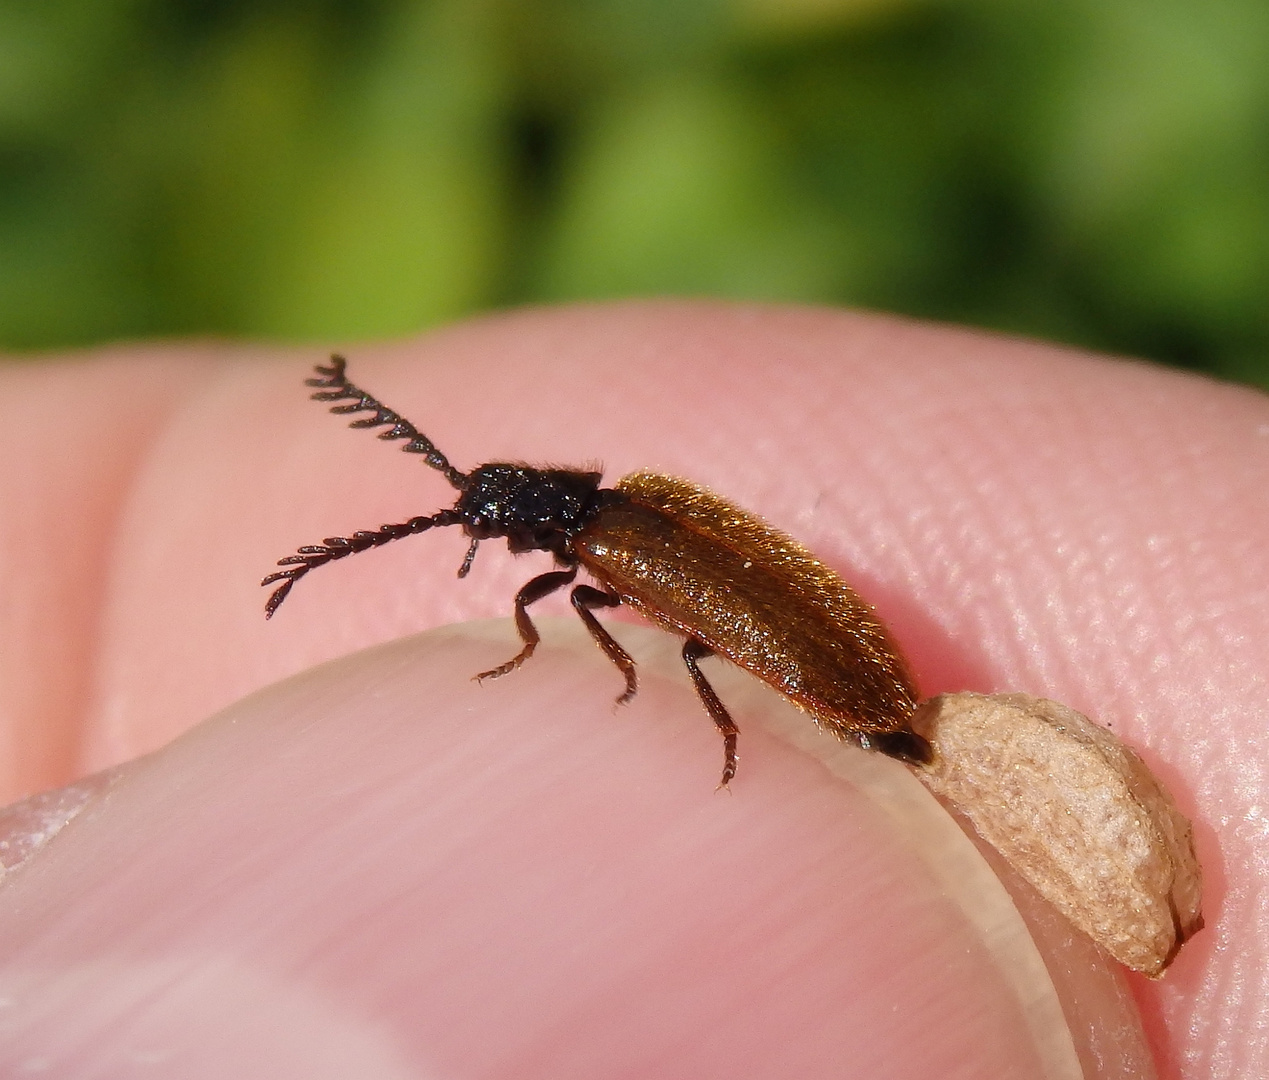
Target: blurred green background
x=1092, y=172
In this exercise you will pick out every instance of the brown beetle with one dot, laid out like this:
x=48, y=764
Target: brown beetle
x=679, y=555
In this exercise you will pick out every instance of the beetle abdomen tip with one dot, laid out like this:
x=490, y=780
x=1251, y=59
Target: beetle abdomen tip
x=905, y=745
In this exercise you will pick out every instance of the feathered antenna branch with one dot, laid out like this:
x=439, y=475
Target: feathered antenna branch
x=311, y=556
x=332, y=385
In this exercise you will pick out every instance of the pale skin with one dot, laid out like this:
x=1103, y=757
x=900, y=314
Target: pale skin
x=385, y=870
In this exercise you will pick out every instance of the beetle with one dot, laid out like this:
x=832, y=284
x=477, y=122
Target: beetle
x=685, y=559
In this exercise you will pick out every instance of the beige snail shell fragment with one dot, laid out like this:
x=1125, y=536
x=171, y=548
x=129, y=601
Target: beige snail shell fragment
x=1076, y=813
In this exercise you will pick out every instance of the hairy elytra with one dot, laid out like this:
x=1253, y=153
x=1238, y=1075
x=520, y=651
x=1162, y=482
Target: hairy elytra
x=685, y=559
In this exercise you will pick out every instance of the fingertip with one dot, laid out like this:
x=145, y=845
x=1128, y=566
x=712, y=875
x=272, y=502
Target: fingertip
x=498, y=880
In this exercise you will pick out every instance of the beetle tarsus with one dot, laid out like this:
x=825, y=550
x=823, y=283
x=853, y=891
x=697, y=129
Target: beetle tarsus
x=729, y=756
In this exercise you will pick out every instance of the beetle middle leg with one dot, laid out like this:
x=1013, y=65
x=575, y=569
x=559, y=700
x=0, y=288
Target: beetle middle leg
x=532, y=591
x=694, y=650
x=585, y=598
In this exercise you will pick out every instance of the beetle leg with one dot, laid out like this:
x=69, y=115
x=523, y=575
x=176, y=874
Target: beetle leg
x=540, y=586
x=584, y=599
x=694, y=650
x=467, y=559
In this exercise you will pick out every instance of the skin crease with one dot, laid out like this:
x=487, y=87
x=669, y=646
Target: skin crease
x=1026, y=518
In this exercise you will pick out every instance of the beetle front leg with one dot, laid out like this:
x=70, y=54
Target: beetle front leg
x=694, y=650
x=585, y=598
x=540, y=586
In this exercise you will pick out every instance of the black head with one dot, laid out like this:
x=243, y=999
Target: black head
x=535, y=509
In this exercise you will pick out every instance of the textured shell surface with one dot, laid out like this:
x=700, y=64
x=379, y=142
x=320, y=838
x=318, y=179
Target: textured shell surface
x=694, y=563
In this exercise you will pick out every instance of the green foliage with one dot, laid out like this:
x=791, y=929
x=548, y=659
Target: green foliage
x=1089, y=172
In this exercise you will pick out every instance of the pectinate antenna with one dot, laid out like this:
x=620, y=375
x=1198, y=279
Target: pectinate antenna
x=332, y=384
x=311, y=556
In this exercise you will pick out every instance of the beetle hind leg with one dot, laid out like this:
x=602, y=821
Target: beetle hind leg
x=694, y=650
x=531, y=592
x=585, y=599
